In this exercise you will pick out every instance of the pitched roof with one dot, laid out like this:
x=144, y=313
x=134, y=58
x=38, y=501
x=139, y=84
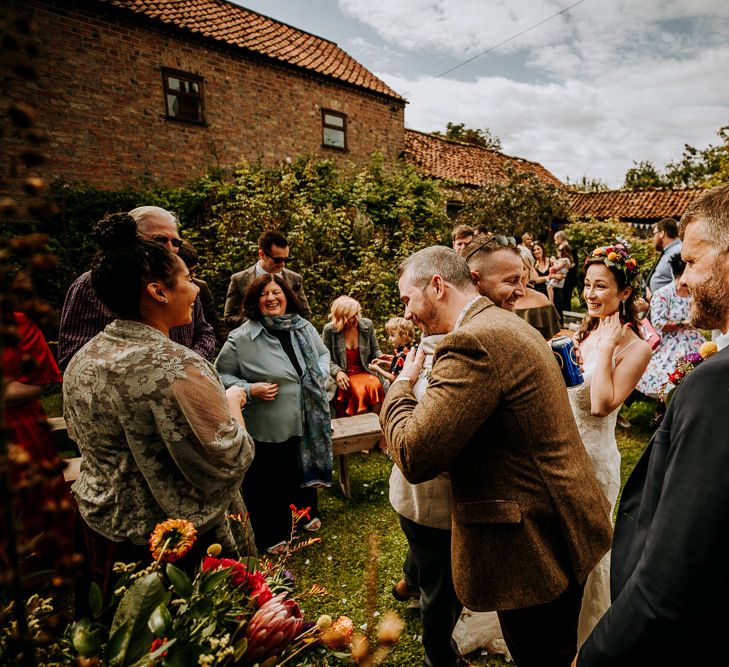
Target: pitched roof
x=632, y=204
x=465, y=164
x=237, y=26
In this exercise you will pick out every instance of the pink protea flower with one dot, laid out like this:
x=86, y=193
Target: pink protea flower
x=272, y=628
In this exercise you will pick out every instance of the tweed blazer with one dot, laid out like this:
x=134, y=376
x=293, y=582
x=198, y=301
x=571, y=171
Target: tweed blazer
x=528, y=512
x=239, y=284
x=369, y=348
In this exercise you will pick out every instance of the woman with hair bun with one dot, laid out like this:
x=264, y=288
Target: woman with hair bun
x=158, y=434
x=615, y=357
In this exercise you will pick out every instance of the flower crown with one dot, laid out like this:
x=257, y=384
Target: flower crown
x=617, y=257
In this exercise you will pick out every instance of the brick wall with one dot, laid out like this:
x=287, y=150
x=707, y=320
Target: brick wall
x=99, y=95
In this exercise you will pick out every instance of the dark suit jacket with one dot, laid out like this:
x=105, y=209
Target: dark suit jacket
x=669, y=573
x=241, y=281
x=369, y=348
x=528, y=512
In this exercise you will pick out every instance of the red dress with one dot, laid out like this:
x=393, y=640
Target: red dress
x=365, y=390
x=31, y=362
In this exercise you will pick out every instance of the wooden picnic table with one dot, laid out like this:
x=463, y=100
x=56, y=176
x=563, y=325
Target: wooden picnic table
x=349, y=435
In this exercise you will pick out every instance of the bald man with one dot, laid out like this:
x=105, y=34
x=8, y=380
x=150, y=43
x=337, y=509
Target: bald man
x=83, y=315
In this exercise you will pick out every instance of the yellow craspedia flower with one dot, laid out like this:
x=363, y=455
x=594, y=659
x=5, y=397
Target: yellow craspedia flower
x=324, y=622
x=215, y=550
x=708, y=349
x=613, y=256
x=172, y=539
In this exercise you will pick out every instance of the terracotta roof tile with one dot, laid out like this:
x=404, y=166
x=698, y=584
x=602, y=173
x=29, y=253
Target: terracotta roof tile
x=237, y=26
x=632, y=204
x=465, y=163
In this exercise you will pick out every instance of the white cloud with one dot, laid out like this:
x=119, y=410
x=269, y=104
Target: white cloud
x=573, y=127
x=610, y=82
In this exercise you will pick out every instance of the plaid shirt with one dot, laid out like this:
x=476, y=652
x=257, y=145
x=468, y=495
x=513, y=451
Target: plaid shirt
x=84, y=316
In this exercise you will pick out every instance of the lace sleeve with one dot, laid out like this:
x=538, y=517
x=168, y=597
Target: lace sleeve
x=201, y=398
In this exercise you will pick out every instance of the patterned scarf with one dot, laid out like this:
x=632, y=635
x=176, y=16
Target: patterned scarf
x=315, y=450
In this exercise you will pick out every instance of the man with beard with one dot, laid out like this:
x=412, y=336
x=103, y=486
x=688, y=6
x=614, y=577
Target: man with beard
x=669, y=581
x=665, y=238
x=496, y=267
x=528, y=517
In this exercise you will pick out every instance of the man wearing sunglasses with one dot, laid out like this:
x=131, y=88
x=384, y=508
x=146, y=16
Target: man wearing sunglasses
x=273, y=253
x=496, y=268
x=84, y=316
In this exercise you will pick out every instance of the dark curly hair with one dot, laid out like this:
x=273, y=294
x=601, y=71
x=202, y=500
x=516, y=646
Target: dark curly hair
x=251, y=308
x=628, y=312
x=126, y=264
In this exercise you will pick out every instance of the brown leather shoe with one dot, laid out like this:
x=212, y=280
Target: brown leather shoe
x=402, y=592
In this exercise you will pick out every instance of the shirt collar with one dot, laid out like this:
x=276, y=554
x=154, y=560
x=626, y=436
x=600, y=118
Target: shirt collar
x=259, y=270
x=254, y=328
x=671, y=244
x=463, y=312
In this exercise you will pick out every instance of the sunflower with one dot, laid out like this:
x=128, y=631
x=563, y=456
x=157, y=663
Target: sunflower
x=172, y=539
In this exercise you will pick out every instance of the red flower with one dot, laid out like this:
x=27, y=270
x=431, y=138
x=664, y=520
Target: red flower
x=156, y=644
x=210, y=563
x=400, y=362
x=238, y=570
x=297, y=514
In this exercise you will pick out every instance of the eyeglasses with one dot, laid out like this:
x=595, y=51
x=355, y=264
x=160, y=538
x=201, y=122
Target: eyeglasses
x=164, y=240
x=279, y=260
x=496, y=239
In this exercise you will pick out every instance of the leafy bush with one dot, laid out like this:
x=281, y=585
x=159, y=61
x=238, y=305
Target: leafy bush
x=521, y=204
x=348, y=228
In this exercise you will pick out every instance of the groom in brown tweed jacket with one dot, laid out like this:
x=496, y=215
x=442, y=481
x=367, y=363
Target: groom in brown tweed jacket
x=529, y=518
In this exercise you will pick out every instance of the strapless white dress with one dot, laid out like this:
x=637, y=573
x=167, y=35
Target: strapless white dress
x=598, y=436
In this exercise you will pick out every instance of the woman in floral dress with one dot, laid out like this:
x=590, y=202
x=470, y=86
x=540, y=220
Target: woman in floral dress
x=670, y=315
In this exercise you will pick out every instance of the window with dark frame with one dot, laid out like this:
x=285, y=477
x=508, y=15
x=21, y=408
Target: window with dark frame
x=334, y=129
x=184, y=96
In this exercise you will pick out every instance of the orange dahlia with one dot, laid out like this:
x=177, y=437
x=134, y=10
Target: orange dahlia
x=172, y=539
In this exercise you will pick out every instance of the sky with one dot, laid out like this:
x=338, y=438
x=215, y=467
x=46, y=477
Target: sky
x=602, y=85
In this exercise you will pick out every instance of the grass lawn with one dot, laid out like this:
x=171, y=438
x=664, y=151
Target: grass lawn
x=338, y=562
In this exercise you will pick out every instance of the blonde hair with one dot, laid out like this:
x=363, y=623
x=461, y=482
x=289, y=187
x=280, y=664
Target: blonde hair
x=343, y=308
x=400, y=326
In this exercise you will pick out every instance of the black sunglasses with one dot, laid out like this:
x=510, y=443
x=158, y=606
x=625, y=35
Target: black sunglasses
x=496, y=239
x=279, y=260
x=161, y=238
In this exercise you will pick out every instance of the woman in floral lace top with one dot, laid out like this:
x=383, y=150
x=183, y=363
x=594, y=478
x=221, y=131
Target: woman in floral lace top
x=159, y=435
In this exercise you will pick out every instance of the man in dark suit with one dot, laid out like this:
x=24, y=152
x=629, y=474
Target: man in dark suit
x=529, y=518
x=273, y=253
x=669, y=580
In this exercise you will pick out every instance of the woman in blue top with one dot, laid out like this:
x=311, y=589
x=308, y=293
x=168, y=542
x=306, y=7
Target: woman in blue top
x=279, y=359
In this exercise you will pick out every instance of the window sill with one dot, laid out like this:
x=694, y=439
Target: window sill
x=338, y=149
x=184, y=121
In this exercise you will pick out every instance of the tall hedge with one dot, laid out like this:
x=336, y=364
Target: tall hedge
x=348, y=228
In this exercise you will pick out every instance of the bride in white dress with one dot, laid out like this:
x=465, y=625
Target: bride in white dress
x=614, y=359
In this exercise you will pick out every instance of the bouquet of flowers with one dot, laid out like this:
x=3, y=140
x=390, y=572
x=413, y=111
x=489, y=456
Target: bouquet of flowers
x=684, y=365
x=232, y=612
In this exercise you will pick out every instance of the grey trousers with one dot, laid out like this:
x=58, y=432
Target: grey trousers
x=428, y=568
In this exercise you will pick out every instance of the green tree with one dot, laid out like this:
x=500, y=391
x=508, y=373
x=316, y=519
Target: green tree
x=459, y=132
x=644, y=175
x=696, y=168
x=585, y=184
x=521, y=204
x=699, y=168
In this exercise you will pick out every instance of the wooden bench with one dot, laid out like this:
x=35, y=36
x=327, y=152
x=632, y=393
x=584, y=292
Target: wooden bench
x=349, y=435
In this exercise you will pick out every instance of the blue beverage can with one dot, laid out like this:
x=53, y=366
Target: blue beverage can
x=564, y=351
